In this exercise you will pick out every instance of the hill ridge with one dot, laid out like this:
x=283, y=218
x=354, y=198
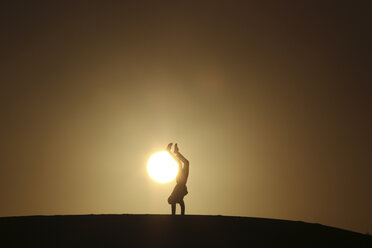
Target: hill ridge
x=143, y=230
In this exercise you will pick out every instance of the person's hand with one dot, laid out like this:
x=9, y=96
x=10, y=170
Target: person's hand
x=169, y=146
x=176, y=148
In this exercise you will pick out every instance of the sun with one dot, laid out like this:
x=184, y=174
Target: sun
x=162, y=167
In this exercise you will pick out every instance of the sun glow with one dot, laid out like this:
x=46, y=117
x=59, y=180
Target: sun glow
x=162, y=167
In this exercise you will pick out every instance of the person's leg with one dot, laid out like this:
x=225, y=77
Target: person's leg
x=182, y=204
x=186, y=163
x=182, y=158
x=173, y=208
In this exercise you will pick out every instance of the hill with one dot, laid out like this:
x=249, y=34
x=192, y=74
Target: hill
x=170, y=231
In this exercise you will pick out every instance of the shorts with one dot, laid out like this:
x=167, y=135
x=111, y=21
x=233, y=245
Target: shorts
x=179, y=191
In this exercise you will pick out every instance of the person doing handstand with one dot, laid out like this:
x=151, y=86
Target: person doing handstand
x=180, y=190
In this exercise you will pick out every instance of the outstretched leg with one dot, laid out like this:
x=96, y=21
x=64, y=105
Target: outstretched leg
x=185, y=169
x=182, y=158
x=173, y=208
x=182, y=204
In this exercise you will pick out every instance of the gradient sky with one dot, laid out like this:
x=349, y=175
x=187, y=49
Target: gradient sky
x=270, y=102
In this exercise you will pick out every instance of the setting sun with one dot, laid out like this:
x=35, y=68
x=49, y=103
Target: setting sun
x=162, y=167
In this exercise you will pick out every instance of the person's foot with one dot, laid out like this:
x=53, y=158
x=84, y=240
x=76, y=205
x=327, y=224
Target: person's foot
x=176, y=148
x=169, y=147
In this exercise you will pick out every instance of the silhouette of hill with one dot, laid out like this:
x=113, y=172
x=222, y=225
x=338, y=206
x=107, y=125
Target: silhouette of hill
x=170, y=231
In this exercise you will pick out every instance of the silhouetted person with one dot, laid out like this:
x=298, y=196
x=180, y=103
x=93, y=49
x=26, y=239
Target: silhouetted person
x=180, y=190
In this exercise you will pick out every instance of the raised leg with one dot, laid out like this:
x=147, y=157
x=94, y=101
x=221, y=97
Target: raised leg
x=185, y=169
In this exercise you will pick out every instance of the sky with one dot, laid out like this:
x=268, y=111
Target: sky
x=270, y=101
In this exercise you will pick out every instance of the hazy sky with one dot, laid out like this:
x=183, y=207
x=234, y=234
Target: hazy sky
x=270, y=102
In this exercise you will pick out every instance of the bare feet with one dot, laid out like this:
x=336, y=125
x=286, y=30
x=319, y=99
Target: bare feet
x=169, y=147
x=176, y=148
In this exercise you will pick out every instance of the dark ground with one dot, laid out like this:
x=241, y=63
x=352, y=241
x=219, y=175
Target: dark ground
x=168, y=231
